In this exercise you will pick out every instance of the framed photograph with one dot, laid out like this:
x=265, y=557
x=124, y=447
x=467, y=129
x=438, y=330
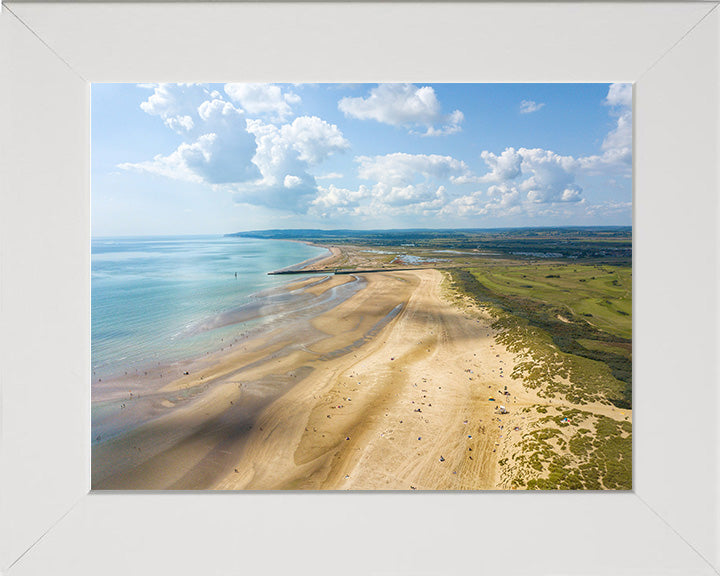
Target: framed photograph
x=164, y=414
x=413, y=287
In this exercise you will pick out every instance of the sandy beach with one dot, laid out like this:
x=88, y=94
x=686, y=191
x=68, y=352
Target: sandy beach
x=390, y=389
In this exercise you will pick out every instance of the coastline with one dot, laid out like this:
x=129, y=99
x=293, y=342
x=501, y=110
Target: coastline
x=160, y=302
x=124, y=401
x=275, y=412
x=390, y=385
x=311, y=264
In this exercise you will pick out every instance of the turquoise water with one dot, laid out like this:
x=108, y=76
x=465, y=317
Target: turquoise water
x=157, y=300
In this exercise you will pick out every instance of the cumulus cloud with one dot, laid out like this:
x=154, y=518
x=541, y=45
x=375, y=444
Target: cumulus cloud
x=539, y=176
x=526, y=181
x=617, y=145
x=262, y=163
x=530, y=106
x=221, y=152
x=506, y=166
x=400, y=184
x=284, y=154
x=619, y=95
x=452, y=125
x=529, y=181
x=619, y=141
x=404, y=105
x=175, y=104
x=263, y=99
x=473, y=204
x=540, y=182
x=245, y=141
x=550, y=177
x=313, y=138
x=523, y=181
x=336, y=200
x=400, y=169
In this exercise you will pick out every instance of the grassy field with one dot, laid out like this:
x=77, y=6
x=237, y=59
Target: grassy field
x=599, y=295
x=572, y=321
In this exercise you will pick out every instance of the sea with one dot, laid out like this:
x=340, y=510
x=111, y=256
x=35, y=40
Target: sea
x=159, y=300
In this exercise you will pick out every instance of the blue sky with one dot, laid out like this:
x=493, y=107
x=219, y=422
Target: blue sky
x=219, y=158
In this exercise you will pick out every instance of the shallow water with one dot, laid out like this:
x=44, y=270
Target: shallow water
x=159, y=300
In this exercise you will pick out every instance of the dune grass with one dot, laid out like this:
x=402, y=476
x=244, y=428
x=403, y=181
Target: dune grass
x=573, y=450
x=572, y=323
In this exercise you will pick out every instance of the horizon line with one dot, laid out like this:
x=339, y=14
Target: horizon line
x=540, y=227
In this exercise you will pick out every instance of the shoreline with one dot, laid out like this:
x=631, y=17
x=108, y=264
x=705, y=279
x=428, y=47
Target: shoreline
x=152, y=368
x=394, y=387
x=150, y=382
x=305, y=265
x=312, y=385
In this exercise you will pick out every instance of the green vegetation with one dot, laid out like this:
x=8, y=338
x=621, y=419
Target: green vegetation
x=623, y=349
x=574, y=450
x=572, y=322
x=602, y=295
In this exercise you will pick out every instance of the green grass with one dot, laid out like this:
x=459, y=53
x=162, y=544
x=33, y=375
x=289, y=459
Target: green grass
x=543, y=312
x=602, y=295
x=623, y=349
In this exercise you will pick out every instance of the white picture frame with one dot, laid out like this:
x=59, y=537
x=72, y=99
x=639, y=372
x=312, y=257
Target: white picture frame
x=49, y=521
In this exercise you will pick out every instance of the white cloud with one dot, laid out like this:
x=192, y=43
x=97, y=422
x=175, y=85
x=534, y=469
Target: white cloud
x=314, y=139
x=506, y=166
x=261, y=163
x=284, y=154
x=526, y=179
x=619, y=95
x=541, y=176
x=549, y=177
x=404, y=195
x=617, y=145
x=403, y=105
x=175, y=104
x=269, y=162
x=339, y=200
x=292, y=181
x=468, y=205
x=401, y=169
x=610, y=208
x=329, y=176
x=263, y=99
x=401, y=184
x=530, y=106
x=221, y=154
x=452, y=125
x=180, y=123
x=523, y=181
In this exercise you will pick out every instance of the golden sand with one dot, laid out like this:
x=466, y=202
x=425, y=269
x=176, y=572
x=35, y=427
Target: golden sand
x=353, y=398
